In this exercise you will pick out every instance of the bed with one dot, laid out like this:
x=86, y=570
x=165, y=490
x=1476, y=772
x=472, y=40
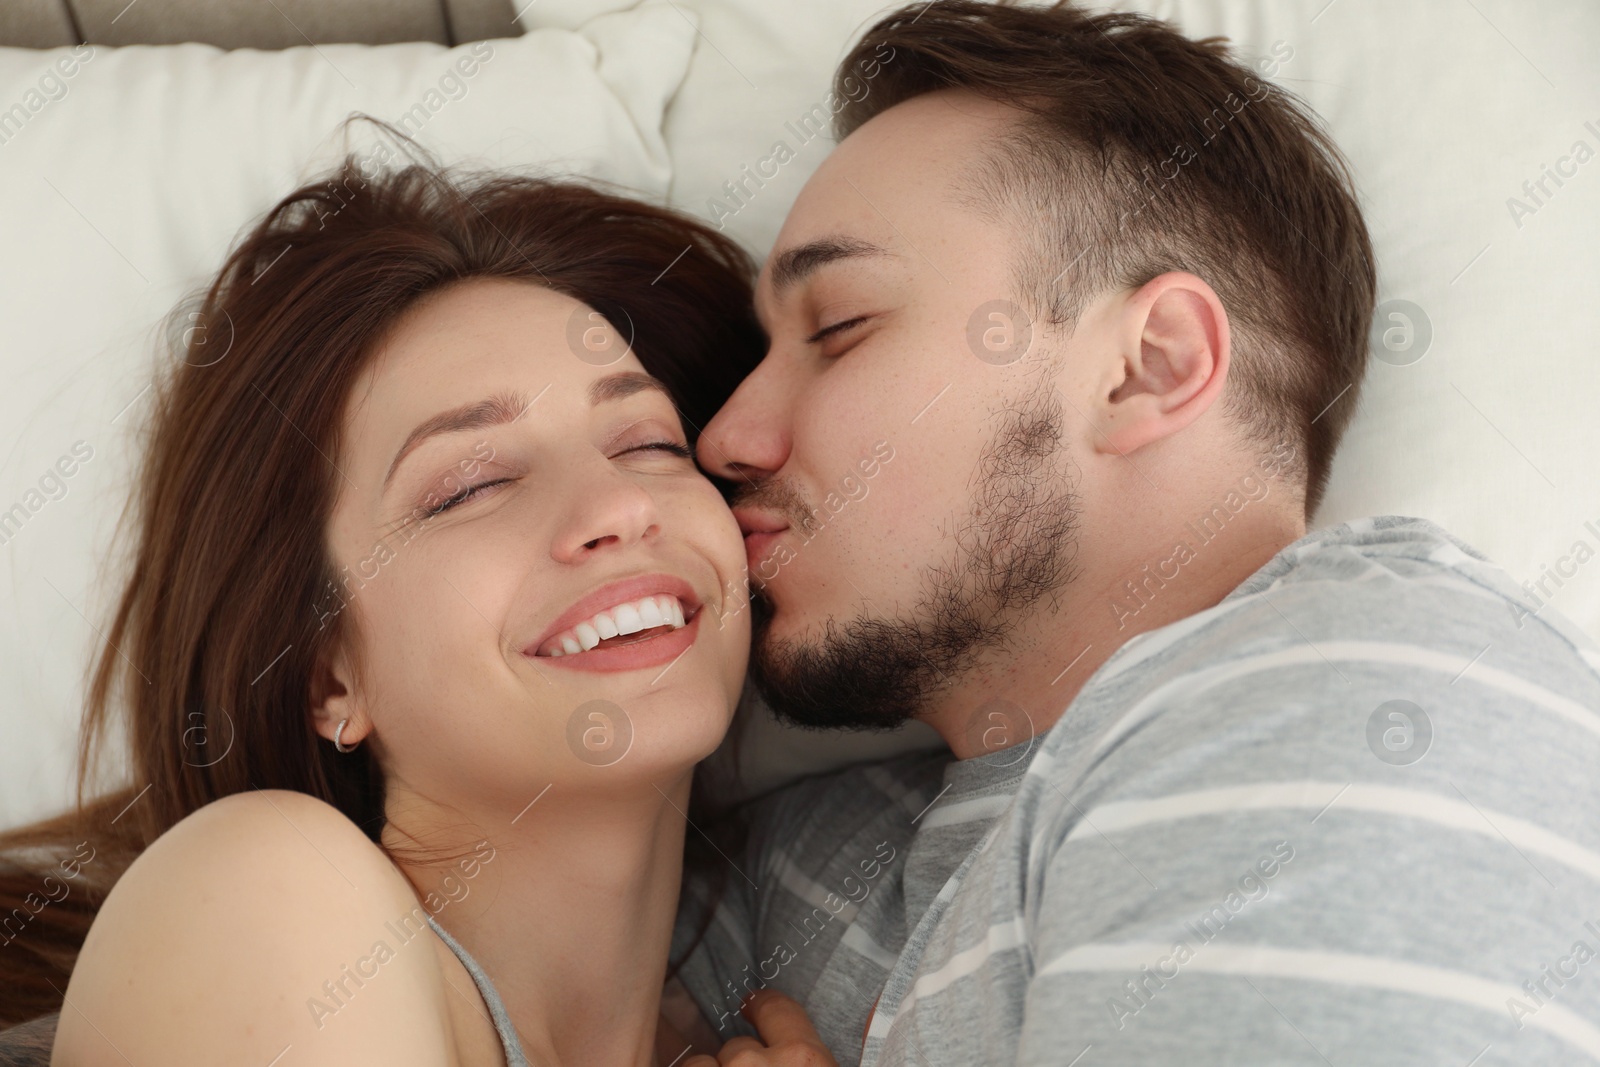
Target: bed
x=129, y=162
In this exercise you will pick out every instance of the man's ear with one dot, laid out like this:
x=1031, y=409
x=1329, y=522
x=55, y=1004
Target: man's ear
x=333, y=699
x=1172, y=349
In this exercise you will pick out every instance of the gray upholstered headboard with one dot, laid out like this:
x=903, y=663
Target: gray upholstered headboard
x=253, y=23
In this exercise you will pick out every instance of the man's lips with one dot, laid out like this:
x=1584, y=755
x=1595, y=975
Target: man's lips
x=760, y=531
x=753, y=520
x=757, y=550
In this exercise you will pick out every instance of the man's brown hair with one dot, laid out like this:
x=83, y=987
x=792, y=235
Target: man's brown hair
x=1141, y=151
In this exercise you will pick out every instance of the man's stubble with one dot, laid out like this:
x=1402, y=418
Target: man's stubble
x=1014, y=547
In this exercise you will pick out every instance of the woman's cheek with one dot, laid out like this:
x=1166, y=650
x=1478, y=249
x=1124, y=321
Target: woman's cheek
x=716, y=529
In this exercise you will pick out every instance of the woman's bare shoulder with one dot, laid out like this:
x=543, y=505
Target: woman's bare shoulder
x=263, y=921
x=264, y=830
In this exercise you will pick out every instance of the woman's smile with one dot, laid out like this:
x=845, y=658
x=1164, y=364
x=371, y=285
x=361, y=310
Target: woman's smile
x=624, y=625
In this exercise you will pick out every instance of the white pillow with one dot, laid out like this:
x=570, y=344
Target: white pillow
x=126, y=173
x=758, y=68
x=1444, y=110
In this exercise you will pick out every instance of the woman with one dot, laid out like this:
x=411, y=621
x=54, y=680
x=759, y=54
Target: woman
x=430, y=618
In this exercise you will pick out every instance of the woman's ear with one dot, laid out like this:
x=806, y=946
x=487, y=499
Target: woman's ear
x=1173, y=343
x=334, y=700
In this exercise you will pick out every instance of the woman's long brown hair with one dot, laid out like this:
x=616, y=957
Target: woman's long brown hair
x=207, y=658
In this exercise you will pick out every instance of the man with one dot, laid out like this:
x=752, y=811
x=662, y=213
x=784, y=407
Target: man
x=1063, y=337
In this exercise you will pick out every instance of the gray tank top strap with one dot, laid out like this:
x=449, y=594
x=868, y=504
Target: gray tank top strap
x=497, y=1009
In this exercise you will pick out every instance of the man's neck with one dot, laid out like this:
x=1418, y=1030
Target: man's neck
x=1021, y=690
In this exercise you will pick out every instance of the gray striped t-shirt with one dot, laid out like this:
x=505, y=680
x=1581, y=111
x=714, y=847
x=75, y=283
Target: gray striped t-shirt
x=1349, y=815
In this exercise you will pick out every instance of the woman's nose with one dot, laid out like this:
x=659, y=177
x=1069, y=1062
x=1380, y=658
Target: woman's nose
x=605, y=513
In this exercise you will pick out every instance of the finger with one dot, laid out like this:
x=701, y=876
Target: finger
x=780, y=1019
x=738, y=1045
x=699, y=1061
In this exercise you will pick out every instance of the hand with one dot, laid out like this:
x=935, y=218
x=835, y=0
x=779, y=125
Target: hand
x=787, y=1037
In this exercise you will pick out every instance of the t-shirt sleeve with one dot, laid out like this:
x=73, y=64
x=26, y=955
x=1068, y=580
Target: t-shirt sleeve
x=1334, y=859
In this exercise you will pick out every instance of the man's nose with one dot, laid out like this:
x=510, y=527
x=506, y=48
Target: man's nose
x=749, y=439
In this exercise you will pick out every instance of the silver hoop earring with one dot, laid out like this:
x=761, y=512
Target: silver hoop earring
x=336, y=734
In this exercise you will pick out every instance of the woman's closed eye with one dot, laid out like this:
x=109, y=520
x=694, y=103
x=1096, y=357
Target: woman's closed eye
x=480, y=489
x=670, y=447
x=470, y=492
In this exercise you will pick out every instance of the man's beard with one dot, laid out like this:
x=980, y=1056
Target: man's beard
x=1015, y=547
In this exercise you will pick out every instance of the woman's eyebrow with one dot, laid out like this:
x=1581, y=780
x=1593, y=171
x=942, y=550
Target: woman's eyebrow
x=624, y=384
x=510, y=406
x=493, y=411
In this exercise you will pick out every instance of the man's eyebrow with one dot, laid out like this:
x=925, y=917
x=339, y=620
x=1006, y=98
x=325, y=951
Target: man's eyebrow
x=510, y=406
x=793, y=265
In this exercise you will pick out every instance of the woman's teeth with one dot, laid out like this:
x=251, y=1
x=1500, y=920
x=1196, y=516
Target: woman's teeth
x=620, y=621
